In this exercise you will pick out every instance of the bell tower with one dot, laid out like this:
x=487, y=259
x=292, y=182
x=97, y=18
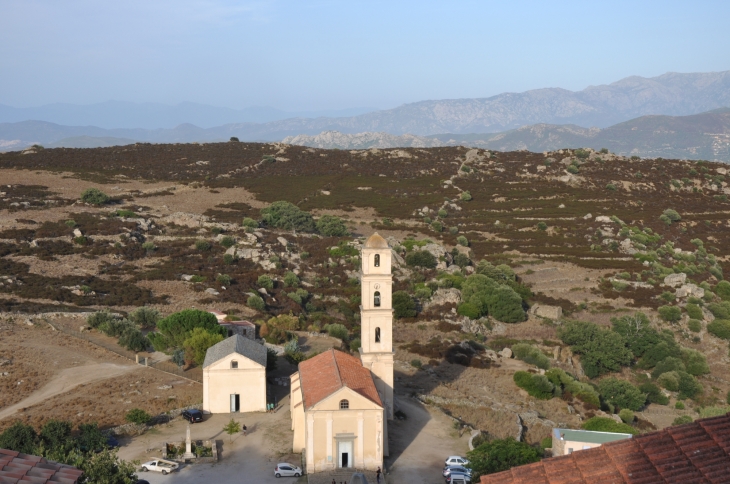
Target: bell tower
x=376, y=317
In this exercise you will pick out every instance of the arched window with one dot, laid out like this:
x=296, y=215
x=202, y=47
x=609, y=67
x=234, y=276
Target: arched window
x=344, y=404
x=377, y=335
x=376, y=301
x=234, y=364
x=377, y=260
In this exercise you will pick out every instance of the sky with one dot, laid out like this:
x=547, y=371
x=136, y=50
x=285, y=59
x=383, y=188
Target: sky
x=316, y=55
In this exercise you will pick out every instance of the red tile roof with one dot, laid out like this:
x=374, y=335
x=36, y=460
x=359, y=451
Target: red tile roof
x=30, y=469
x=698, y=452
x=326, y=373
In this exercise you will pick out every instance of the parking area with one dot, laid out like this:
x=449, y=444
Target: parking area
x=249, y=458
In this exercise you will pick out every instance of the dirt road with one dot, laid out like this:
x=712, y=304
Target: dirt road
x=67, y=379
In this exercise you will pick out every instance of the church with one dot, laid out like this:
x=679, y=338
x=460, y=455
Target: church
x=340, y=404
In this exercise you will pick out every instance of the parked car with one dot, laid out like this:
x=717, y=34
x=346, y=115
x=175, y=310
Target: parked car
x=457, y=478
x=193, y=416
x=286, y=469
x=459, y=469
x=456, y=460
x=160, y=465
x=112, y=442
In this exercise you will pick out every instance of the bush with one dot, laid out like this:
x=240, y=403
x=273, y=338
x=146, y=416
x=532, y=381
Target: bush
x=672, y=215
x=437, y=226
x=531, y=355
x=626, y=416
x=679, y=406
x=695, y=362
x=694, y=325
x=203, y=245
x=683, y=419
x=542, y=226
x=694, y=311
x=611, y=187
x=98, y=318
x=500, y=455
x=20, y=438
x=337, y=330
x=621, y=394
x=669, y=380
x=134, y=340
x=265, y=281
x=505, y=305
x=228, y=241
x=256, y=302
x=603, y=350
x=416, y=363
x=331, y=226
x=138, y=416
x=671, y=314
x=719, y=328
x=720, y=310
x=546, y=443
x=689, y=387
x=94, y=196
x=466, y=196
x=722, y=289
x=198, y=342
x=287, y=216
x=453, y=230
x=461, y=240
x=469, y=310
x=443, y=213
x=229, y=259
x=605, y=424
x=421, y=258
x=653, y=393
x=666, y=365
x=250, y=223
x=403, y=305
x=537, y=386
x=291, y=280
x=573, y=169
x=223, y=279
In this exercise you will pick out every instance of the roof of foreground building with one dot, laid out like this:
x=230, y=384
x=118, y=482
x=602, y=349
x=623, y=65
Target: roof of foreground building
x=698, y=452
x=235, y=344
x=23, y=468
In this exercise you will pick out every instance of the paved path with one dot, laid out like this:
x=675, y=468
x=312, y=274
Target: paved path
x=67, y=379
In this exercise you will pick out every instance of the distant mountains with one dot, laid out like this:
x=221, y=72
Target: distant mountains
x=701, y=136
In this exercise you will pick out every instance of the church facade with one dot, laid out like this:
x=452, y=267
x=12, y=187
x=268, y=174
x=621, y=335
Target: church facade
x=340, y=404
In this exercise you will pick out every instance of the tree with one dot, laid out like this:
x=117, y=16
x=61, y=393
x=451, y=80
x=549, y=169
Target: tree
x=671, y=314
x=20, y=438
x=637, y=332
x=175, y=328
x=198, y=343
x=56, y=434
x=256, y=302
x=505, y=305
x=145, y=317
x=138, y=416
x=287, y=216
x=232, y=428
x=695, y=362
x=500, y=455
x=403, y=305
x=94, y=196
x=134, y=340
x=603, y=350
x=331, y=226
x=421, y=258
x=90, y=438
x=621, y=393
x=106, y=468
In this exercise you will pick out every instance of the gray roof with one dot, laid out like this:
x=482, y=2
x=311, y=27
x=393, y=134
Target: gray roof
x=236, y=344
x=589, y=436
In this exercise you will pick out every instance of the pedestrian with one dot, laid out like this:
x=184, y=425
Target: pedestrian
x=244, y=430
x=334, y=482
x=377, y=475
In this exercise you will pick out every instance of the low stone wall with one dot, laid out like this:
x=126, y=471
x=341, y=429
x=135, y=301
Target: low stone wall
x=163, y=418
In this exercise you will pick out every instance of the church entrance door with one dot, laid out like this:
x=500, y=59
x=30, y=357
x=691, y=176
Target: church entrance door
x=344, y=451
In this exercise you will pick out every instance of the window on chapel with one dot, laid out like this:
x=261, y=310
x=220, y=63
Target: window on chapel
x=377, y=335
x=234, y=364
x=377, y=260
x=344, y=404
x=376, y=299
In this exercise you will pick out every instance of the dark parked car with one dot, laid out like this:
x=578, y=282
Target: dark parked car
x=193, y=416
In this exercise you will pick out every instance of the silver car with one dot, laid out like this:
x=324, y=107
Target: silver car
x=286, y=469
x=458, y=478
x=460, y=469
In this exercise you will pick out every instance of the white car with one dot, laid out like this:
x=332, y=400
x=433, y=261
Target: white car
x=456, y=460
x=286, y=469
x=159, y=465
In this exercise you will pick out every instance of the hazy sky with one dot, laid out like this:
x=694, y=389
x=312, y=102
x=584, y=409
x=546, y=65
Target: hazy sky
x=337, y=54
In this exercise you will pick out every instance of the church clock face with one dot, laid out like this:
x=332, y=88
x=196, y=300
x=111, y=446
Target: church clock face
x=376, y=286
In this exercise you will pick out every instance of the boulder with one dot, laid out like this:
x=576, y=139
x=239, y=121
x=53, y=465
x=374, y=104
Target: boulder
x=506, y=353
x=435, y=249
x=282, y=241
x=604, y=219
x=212, y=291
x=445, y=296
x=674, y=280
x=545, y=311
x=689, y=290
x=77, y=233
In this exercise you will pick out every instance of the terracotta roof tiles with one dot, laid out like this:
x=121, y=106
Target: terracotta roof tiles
x=22, y=468
x=326, y=373
x=698, y=452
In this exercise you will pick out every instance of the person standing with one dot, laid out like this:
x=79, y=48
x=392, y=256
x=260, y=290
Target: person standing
x=377, y=475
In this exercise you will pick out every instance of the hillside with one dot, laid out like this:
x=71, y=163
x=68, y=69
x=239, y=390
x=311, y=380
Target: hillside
x=489, y=248
x=701, y=136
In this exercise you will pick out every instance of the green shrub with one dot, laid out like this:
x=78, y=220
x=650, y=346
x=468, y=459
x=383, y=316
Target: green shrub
x=403, y=305
x=228, y=241
x=145, y=317
x=605, y=424
x=667, y=296
x=469, y=310
x=720, y=310
x=421, y=258
x=679, y=406
x=668, y=364
x=287, y=216
x=695, y=362
x=621, y=393
x=250, y=223
x=256, y=302
x=719, y=328
x=689, y=387
x=202, y=245
x=537, y=386
x=291, y=280
x=416, y=363
x=229, y=259
x=265, y=281
x=722, y=289
x=138, y=416
x=223, y=279
x=683, y=419
x=672, y=215
x=611, y=187
x=437, y=226
x=453, y=230
x=466, y=196
x=626, y=416
x=98, y=318
x=546, y=443
x=694, y=311
x=505, y=305
x=337, y=330
x=573, y=169
x=694, y=325
x=461, y=240
x=603, y=350
x=542, y=226
x=20, y=438
x=133, y=340
x=423, y=293
x=669, y=380
x=671, y=314
x=653, y=393
x=443, y=213
x=531, y=355
x=331, y=226
x=94, y=196
x=500, y=455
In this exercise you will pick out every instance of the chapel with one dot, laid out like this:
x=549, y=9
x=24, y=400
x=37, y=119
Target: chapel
x=340, y=404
